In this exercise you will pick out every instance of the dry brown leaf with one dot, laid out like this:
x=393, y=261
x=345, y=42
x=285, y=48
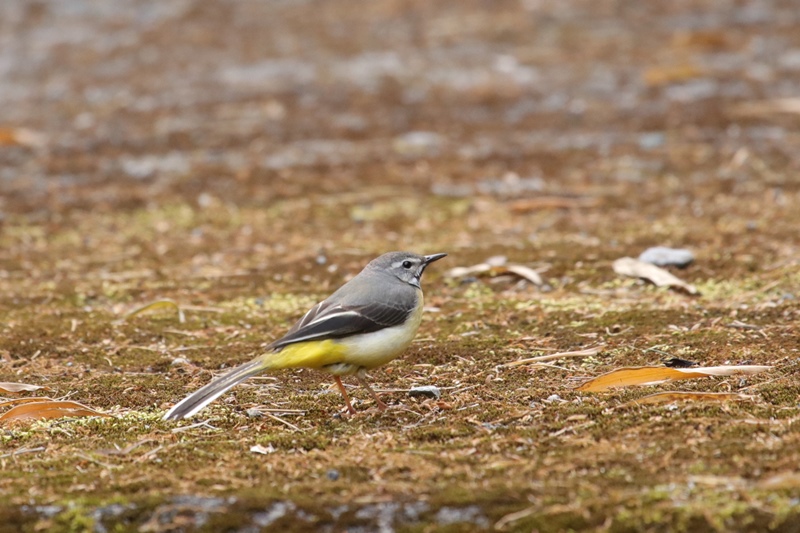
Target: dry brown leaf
x=21, y=137
x=628, y=266
x=526, y=273
x=15, y=388
x=653, y=375
x=153, y=306
x=671, y=396
x=31, y=399
x=48, y=409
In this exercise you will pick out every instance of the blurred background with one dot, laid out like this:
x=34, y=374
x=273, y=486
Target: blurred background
x=115, y=105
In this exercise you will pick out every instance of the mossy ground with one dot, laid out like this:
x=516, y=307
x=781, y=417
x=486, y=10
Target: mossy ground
x=261, y=219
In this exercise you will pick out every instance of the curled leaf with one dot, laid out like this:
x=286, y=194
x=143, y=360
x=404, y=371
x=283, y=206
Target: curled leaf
x=263, y=450
x=526, y=273
x=628, y=266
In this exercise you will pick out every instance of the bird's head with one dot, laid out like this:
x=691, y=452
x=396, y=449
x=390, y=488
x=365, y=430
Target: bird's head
x=405, y=266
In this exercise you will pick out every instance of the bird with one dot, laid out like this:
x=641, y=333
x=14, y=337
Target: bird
x=366, y=323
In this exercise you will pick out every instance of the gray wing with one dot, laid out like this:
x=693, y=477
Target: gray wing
x=328, y=320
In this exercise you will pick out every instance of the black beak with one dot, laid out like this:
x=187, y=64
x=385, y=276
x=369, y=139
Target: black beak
x=434, y=257
x=427, y=260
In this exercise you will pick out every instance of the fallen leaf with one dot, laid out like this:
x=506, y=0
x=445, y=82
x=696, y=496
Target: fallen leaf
x=628, y=266
x=48, y=409
x=21, y=137
x=653, y=375
x=31, y=399
x=14, y=388
x=526, y=273
x=153, y=306
x=671, y=396
x=496, y=266
x=264, y=450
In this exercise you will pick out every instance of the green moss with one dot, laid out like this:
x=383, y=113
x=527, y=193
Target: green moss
x=74, y=519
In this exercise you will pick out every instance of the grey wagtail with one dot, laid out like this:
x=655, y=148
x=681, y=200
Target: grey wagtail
x=366, y=323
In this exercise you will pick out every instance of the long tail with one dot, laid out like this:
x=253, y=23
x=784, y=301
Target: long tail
x=195, y=402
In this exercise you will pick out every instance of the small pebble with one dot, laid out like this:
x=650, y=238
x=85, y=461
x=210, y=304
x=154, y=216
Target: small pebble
x=429, y=391
x=663, y=256
x=332, y=474
x=253, y=413
x=553, y=398
x=677, y=362
x=417, y=143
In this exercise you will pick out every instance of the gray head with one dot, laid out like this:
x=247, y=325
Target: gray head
x=405, y=266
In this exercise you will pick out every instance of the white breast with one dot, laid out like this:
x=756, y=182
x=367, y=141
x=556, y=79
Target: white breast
x=372, y=350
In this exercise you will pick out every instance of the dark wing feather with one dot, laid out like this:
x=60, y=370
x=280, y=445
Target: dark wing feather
x=337, y=321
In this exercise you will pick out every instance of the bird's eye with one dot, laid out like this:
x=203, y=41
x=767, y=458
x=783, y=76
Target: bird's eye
x=406, y=264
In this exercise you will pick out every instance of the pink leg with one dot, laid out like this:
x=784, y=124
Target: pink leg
x=382, y=406
x=344, y=393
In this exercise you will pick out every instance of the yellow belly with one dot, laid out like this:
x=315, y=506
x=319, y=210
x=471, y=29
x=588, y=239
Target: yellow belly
x=374, y=349
x=349, y=354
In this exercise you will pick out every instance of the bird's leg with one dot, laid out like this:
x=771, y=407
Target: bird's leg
x=344, y=393
x=361, y=379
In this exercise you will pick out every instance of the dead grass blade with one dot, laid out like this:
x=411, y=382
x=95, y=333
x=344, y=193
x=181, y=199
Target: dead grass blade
x=154, y=306
x=628, y=266
x=510, y=518
x=16, y=388
x=127, y=449
x=588, y=352
x=653, y=375
x=782, y=481
x=672, y=396
x=539, y=203
x=47, y=410
x=23, y=450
